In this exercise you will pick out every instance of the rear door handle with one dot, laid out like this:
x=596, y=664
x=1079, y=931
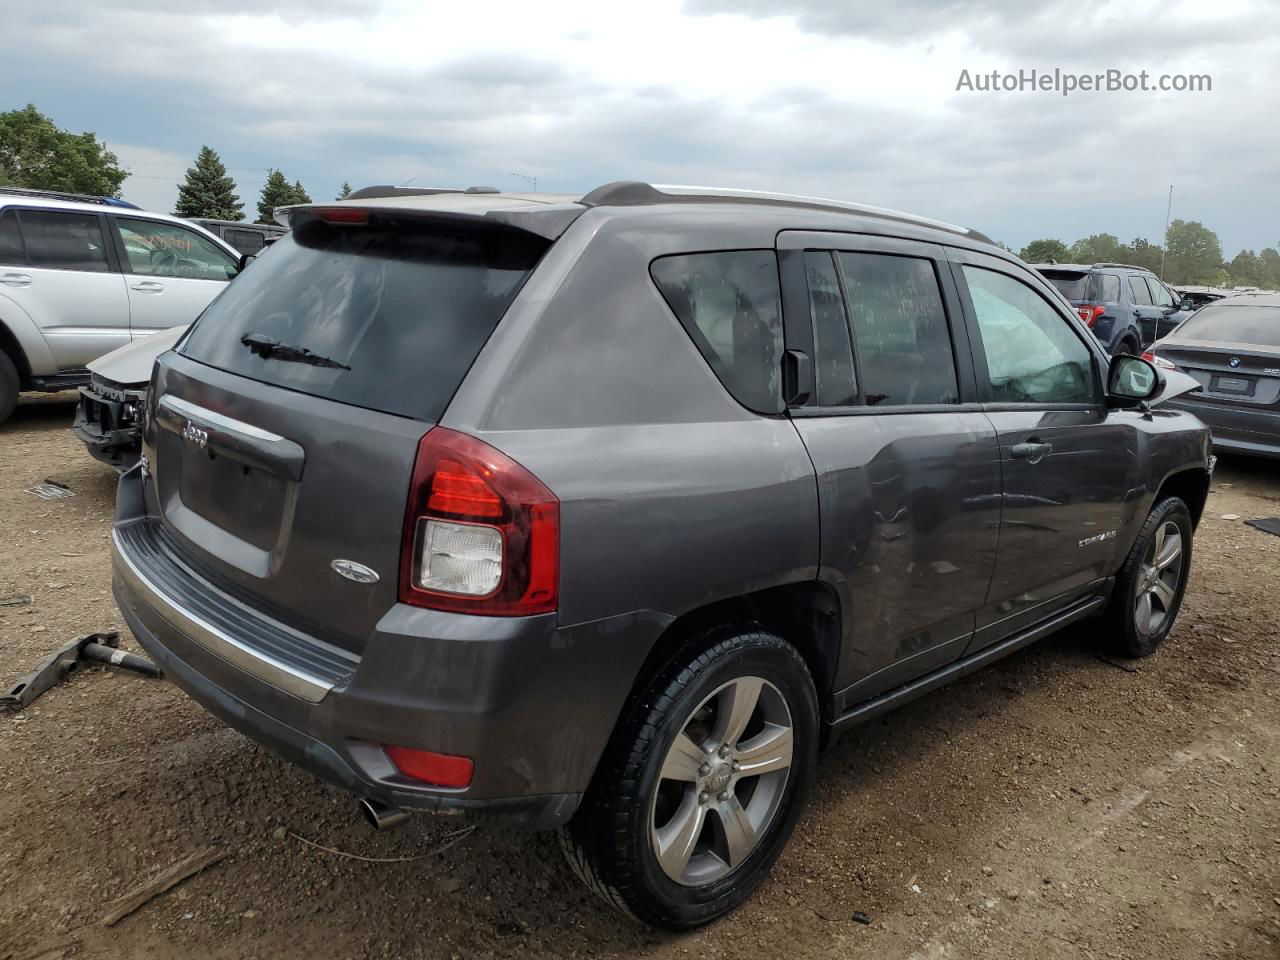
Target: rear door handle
x=147, y=286
x=1032, y=451
x=15, y=279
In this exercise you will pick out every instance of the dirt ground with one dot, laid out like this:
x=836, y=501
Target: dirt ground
x=1055, y=805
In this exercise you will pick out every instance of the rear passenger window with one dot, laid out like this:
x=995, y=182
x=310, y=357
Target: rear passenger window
x=1032, y=355
x=1141, y=295
x=900, y=330
x=10, y=239
x=729, y=304
x=834, y=356
x=1104, y=288
x=64, y=241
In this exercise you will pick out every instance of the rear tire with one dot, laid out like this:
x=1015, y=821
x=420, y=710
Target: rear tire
x=675, y=831
x=1151, y=583
x=10, y=383
x=1126, y=347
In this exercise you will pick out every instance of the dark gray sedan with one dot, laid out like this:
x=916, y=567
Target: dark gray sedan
x=1233, y=348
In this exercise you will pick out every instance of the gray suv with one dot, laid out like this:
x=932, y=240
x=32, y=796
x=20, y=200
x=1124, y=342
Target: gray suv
x=606, y=512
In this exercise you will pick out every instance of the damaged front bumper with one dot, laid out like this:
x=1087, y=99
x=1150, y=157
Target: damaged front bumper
x=109, y=421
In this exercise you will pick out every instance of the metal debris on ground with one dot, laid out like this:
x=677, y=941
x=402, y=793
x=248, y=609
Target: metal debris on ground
x=860, y=917
x=15, y=600
x=66, y=660
x=50, y=490
x=1266, y=525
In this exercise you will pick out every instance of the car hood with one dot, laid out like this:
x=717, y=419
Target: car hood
x=132, y=363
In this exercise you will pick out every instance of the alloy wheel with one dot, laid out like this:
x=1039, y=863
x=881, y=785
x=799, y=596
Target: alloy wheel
x=1159, y=579
x=722, y=781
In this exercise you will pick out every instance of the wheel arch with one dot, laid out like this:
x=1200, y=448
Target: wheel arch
x=10, y=346
x=1191, y=486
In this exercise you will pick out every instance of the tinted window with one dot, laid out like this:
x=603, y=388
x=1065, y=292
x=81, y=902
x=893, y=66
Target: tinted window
x=1254, y=324
x=1104, y=288
x=10, y=239
x=1159, y=293
x=166, y=250
x=405, y=307
x=900, y=330
x=1138, y=287
x=1072, y=284
x=64, y=241
x=1032, y=354
x=729, y=304
x=834, y=355
x=246, y=241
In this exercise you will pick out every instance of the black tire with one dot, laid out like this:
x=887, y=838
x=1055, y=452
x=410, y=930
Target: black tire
x=10, y=383
x=1127, y=635
x=610, y=842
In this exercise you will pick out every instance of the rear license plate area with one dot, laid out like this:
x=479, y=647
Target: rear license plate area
x=1239, y=386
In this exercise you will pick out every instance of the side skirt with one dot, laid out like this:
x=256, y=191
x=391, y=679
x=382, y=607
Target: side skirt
x=862, y=712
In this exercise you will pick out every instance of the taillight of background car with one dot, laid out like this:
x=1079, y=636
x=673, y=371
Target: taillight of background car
x=481, y=533
x=1090, y=314
x=1158, y=361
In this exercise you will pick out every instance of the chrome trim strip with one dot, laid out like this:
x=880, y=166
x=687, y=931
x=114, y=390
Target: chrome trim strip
x=268, y=669
x=188, y=409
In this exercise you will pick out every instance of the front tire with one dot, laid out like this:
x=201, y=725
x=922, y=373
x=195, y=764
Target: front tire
x=702, y=783
x=10, y=383
x=1151, y=583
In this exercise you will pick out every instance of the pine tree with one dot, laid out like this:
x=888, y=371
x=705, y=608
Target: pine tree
x=208, y=191
x=276, y=192
x=299, y=194
x=346, y=191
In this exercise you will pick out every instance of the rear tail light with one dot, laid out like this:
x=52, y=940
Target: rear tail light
x=340, y=214
x=1090, y=314
x=1156, y=360
x=437, y=769
x=481, y=533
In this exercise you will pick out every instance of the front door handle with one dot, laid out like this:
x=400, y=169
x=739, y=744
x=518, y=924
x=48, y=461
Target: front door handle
x=1032, y=451
x=147, y=286
x=15, y=279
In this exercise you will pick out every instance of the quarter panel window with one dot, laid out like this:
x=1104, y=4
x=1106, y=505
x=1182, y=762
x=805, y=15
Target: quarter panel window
x=246, y=241
x=1141, y=295
x=1105, y=288
x=157, y=249
x=64, y=241
x=900, y=330
x=10, y=239
x=1032, y=354
x=833, y=361
x=729, y=304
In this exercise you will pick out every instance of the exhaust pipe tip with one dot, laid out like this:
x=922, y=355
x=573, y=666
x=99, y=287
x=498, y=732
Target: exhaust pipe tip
x=380, y=816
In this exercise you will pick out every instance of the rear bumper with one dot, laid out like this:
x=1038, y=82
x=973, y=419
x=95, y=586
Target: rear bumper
x=531, y=704
x=1237, y=429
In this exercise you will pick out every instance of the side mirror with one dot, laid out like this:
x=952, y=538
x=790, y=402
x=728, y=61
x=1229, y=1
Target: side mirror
x=245, y=260
x=1132, y=379
x=1186, y=305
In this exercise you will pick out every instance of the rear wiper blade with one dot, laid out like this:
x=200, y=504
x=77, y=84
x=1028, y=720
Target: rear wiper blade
x=270, y=349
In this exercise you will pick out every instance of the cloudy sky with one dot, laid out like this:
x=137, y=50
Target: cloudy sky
x=855, y=100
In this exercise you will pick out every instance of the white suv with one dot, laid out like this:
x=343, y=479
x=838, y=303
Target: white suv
x=81, y=276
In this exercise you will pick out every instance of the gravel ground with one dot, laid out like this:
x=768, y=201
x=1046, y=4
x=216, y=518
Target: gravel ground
x=1054, y=805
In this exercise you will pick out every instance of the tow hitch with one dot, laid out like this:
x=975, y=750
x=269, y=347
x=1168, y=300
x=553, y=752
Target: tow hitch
x=62, y=663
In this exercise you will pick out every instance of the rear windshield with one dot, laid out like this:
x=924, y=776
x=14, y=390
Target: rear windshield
x=1079, y=287
x=400, y=307
x=1257, y=325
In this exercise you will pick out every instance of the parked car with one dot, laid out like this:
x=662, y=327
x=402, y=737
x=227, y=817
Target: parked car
x=1195, y=297
x=1232, y=349
x=604, y=513
x=79, y=278
x=1126, y=307
x=108, y=414
x=249, y=239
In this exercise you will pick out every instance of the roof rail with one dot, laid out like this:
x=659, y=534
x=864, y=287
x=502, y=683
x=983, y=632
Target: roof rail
x=627, y=193
x=1125, y=266
x=60, y=195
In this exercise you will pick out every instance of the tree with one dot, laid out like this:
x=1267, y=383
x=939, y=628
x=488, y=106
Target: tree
x=346, y=191
x=34, y=152
x=1142, y=253
x=1042, y=251
x=300, y=195
x=278, y=192
x=1099, y=248
x=1247, y=269
x=1194, y=254
x=208, y=191
x=1270, y=268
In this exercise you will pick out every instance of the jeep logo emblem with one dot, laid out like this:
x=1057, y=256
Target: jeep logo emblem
x=196, y=435
x=354, y=571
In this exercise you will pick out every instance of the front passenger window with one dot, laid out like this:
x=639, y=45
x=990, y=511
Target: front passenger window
x=158, y=249
x=1032, y=354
